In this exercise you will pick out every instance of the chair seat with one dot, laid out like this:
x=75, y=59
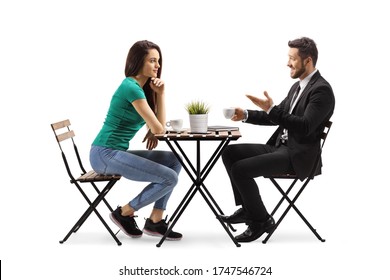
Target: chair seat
x=283, y=176
x=92, y=176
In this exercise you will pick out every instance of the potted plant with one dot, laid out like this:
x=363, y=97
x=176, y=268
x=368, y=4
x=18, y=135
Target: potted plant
x=198, y=113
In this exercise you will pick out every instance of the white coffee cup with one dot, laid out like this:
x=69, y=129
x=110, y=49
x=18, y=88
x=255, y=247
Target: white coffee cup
x=176, y=125
x=229, y=112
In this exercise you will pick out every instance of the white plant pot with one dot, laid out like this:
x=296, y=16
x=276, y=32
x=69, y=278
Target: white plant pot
x=198, y=123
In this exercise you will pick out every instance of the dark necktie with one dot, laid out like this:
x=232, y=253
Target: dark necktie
x=294, y=98
x=282, y=137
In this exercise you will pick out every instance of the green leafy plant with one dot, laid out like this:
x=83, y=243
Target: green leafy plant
x=197, y=107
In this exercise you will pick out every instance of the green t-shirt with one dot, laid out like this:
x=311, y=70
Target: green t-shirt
x=122, y=121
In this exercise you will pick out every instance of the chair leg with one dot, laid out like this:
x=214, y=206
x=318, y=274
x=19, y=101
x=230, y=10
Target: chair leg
x=86, y=198
x=282, y=199
x=83, y=218
x=104, y=199
x=92, y=208
x=291, y=205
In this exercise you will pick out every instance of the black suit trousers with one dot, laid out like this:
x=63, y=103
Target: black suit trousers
x=244, y=163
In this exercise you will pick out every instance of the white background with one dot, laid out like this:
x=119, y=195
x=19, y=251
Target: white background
x=64, y=59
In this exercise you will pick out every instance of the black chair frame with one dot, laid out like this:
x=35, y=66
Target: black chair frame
x=86, y=177
x=295, y=179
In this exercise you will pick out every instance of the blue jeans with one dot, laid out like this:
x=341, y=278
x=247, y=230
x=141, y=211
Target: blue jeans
x=161, y=168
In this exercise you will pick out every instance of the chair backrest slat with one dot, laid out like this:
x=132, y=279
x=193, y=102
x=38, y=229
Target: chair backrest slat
x=63, y=132
x=65, y=135
x=60, y=124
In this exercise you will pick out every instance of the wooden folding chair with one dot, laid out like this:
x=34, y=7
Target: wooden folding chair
x=86, y=177
x=294, y=179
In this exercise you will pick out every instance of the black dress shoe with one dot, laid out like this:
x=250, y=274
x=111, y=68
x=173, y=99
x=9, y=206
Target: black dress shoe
x=255, y=230
x=238, y=217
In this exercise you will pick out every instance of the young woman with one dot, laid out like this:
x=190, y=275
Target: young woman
x=138, y=100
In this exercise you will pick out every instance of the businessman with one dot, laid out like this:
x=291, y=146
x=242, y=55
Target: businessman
x=293, y=147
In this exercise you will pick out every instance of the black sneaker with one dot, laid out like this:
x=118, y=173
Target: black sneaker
x=159, y=229
x=126, y=223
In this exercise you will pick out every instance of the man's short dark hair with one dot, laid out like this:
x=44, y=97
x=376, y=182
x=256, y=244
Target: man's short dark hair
x=306, y=48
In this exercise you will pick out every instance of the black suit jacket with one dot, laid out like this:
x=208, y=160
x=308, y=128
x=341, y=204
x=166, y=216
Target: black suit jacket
x=305, y=124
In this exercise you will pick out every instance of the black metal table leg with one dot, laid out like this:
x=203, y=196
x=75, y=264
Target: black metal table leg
x=198, y=184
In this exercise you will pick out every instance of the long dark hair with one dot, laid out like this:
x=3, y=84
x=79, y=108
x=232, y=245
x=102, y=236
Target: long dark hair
x=134, y=63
